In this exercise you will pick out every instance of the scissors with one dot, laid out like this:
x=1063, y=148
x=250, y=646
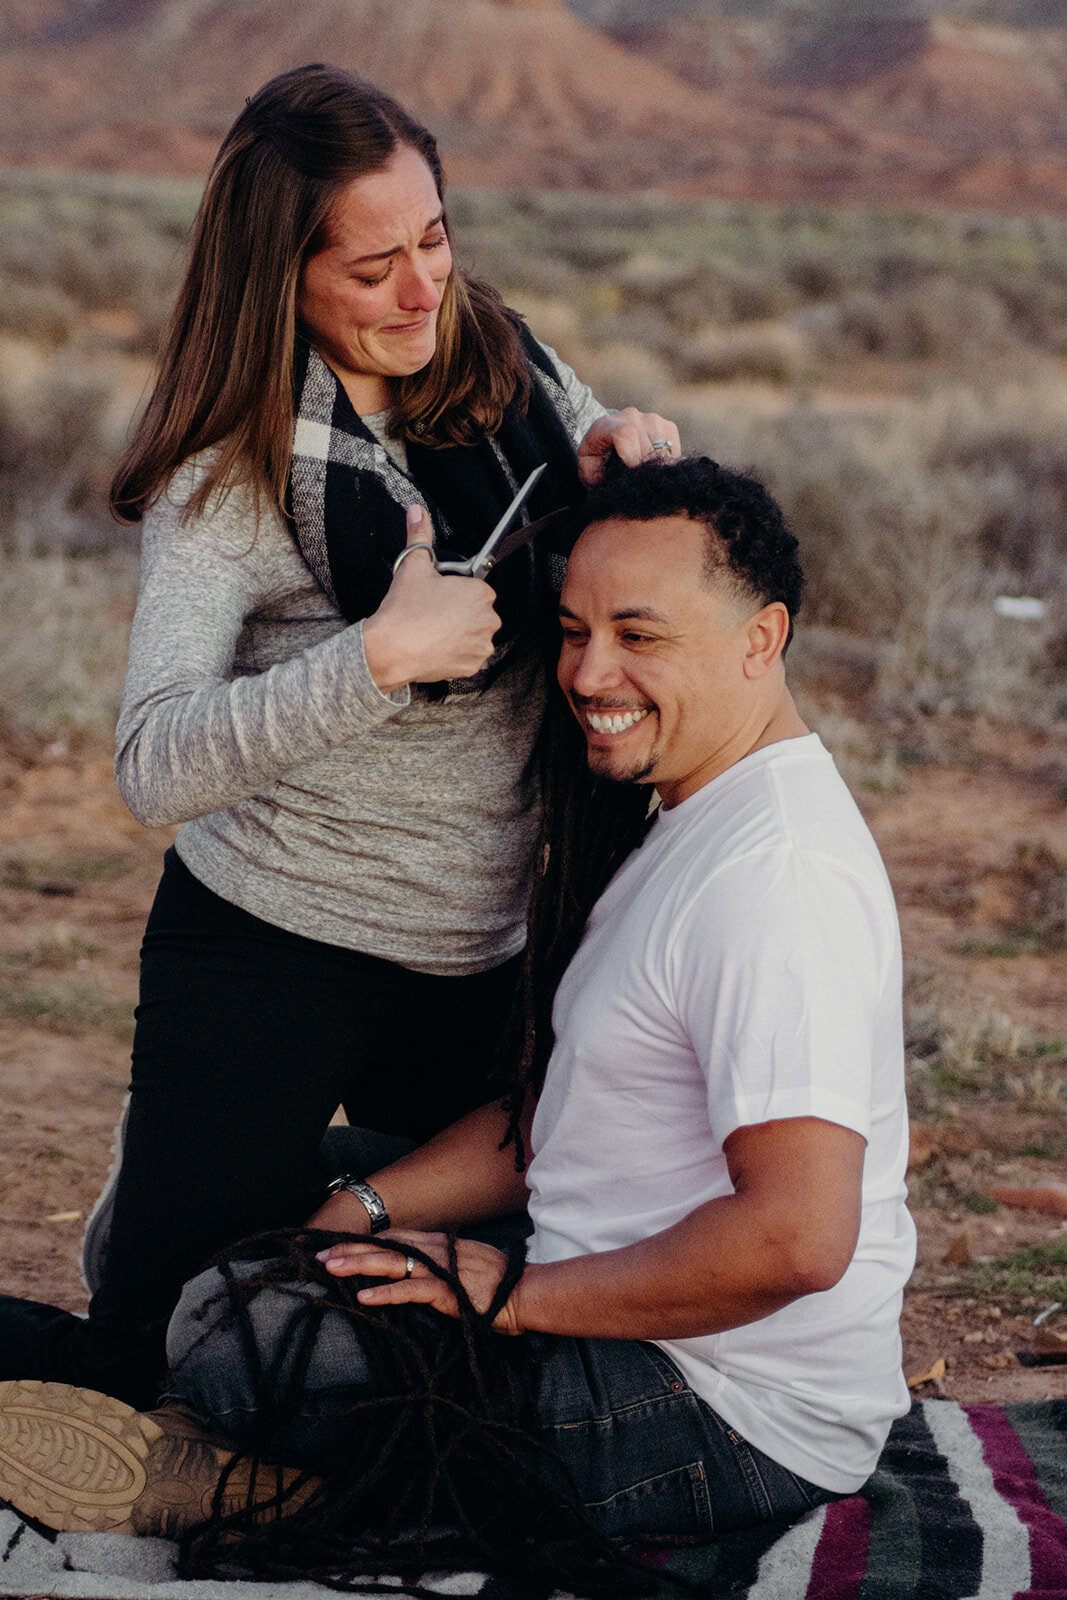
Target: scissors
x=503, y=540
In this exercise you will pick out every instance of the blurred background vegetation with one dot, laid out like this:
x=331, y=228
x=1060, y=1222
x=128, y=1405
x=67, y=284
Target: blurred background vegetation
x=898, y=381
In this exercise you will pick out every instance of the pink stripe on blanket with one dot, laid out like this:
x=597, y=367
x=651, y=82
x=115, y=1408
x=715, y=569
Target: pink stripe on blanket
x=1015, y=1480
x=840, y=1559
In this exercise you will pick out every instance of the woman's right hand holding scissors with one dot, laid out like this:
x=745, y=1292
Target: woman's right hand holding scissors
x=429, y=626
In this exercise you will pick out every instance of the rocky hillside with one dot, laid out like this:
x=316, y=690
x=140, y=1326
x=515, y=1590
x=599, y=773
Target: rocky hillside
x=519, y=91
x=882, y=108
x=956, y=112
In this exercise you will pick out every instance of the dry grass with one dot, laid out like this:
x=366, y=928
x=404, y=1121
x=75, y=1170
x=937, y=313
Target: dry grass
x=67, y=1008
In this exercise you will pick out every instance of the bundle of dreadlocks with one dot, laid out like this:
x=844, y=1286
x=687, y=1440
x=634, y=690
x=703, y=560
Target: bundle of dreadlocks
x=438, y=1467
x=589, y=826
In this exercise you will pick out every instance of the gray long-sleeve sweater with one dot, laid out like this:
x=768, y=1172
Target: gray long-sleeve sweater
x=387, y=824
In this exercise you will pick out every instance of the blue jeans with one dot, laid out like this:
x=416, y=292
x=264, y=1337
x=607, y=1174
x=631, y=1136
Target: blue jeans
x=649, y=1457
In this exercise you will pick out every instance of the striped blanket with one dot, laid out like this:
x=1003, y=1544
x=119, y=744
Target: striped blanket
x=968, y=1503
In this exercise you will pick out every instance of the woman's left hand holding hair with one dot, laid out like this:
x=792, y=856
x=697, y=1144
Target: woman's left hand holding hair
x=632, y=435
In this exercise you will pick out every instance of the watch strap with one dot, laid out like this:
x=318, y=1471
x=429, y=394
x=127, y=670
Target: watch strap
x=366, y=1194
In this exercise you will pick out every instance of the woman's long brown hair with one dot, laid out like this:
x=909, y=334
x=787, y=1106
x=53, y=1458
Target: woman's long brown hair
x=225, y=378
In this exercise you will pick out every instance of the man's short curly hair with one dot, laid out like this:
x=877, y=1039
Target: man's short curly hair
x=747, y=541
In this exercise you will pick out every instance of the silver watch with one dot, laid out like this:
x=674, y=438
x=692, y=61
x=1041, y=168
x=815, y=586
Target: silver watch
x=370, y=1198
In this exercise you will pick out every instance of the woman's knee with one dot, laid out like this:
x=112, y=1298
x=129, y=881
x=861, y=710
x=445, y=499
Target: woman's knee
x=239, y=1363
x=208, y=1355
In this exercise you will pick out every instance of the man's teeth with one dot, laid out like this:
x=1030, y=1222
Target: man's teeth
x=613, y=721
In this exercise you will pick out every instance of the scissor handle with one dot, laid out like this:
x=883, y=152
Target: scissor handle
x=409, y=549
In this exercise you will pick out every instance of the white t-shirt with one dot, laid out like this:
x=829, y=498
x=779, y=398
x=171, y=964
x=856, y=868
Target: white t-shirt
x=743, y=966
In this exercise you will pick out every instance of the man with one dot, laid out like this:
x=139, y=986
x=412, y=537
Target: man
x=720, y=1241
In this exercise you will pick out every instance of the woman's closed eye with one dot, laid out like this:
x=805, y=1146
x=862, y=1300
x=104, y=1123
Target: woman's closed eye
x=427, y=245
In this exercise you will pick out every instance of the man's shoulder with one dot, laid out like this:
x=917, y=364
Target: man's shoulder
x=787, y=793
x=779, y=838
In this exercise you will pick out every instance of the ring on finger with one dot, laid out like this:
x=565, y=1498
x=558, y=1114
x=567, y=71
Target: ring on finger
x=655, y=445
x=409, y=1266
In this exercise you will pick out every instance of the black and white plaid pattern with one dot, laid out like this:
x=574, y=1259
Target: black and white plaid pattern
x=326, y=449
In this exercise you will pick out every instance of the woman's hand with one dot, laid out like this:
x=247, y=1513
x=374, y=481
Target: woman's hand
x=428, y=627
x=480, y=1271
x=631, y=434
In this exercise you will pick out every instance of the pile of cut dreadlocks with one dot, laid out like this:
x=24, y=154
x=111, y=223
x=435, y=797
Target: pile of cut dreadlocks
x=438, y=1468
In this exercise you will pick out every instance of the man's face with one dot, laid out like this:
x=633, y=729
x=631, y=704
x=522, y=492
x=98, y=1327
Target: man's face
x=652, y=656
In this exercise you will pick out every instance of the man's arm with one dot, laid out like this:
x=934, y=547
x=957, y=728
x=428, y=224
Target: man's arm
x=789, y=1229
x=458, y=1178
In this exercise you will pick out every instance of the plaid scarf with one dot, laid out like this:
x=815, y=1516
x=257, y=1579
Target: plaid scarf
x=347, y=496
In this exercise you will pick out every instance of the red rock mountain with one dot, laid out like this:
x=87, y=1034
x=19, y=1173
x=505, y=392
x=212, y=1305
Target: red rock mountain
x=520, y=92
x=958, y=113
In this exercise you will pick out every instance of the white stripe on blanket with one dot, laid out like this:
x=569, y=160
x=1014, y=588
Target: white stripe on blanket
x=1005, y=1539
x=786, y=1567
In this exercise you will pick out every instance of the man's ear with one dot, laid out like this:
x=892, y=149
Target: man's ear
x=766, y=635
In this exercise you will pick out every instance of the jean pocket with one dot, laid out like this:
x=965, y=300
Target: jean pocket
x=759, y=1489
x=668, y=1505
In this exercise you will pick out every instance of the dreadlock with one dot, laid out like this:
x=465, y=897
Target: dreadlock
x=589, y=825
x=437, y=1466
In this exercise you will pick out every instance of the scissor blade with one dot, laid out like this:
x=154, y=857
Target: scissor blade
x=480, y=562
x=517, y=538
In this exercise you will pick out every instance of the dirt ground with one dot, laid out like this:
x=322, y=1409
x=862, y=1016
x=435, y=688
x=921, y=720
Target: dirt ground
x=975, y=838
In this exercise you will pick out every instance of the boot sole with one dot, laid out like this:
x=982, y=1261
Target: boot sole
x=83, y=1462
x=72, y=1458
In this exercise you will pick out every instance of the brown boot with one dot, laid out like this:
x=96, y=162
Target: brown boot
x=83, y=1462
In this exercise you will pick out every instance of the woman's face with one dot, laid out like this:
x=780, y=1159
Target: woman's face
x=368, y=302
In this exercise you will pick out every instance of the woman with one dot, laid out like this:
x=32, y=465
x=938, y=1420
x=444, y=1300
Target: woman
x=347, y=740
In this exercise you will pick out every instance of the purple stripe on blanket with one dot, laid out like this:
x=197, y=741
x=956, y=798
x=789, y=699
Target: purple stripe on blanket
x=1016, y=1481
x=840, y=1559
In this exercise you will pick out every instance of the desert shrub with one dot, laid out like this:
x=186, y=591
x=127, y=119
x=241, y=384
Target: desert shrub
x=63, y=629
x=1022, y=533
x=37, y=311
x=772, y=351
x=627, y=375
x=818, y=277
x=890, y=533
x=643, y=325
x=56, y=442
x=81, y=249
x=1036, y=307
x=926, y=318
x=714, y=289
x=487, y=255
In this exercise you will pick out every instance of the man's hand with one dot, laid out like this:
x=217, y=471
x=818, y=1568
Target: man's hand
x=480, y=1270
x=631, y=434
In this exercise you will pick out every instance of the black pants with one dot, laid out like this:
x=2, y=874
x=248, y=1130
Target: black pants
x=247, y=1040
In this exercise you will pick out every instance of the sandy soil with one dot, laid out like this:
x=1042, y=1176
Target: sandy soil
x=975, y=846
